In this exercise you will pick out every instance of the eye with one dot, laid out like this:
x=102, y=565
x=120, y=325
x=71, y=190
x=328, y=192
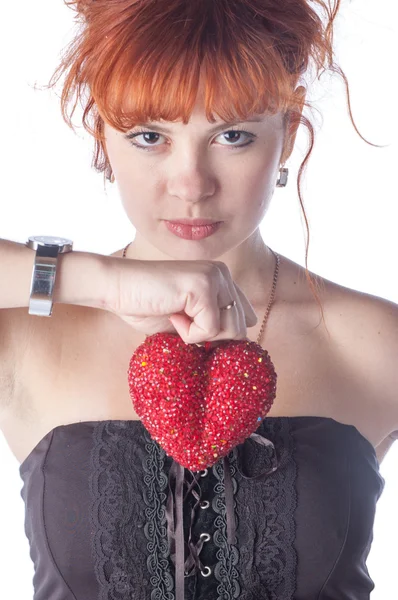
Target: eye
x=144, y=132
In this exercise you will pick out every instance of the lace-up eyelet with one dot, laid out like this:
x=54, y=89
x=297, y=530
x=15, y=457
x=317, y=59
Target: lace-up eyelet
x=208, y=572
x=206, y=536
x=204, y=504
x=204, y=473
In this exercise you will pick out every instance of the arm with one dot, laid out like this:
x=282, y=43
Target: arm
x=81, y=277
x=379, y=348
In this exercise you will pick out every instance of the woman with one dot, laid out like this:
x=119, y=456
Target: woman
x=291, y=516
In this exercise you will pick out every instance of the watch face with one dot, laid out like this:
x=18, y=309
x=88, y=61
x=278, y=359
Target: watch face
x=48, y=239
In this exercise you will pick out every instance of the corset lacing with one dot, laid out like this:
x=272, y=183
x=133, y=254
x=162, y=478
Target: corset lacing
x=174, y=513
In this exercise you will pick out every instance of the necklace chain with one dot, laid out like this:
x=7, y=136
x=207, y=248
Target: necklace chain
x=272, y=296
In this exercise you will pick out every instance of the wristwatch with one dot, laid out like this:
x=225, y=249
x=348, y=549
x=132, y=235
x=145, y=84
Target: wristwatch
x=44, y=271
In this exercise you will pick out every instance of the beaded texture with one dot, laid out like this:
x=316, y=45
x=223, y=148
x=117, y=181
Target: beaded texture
x=200, y=402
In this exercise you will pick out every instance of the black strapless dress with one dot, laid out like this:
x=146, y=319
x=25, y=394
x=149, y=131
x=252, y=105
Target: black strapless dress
x=98, y=497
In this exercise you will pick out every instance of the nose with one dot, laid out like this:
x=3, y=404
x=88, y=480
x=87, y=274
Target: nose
x=191, y=182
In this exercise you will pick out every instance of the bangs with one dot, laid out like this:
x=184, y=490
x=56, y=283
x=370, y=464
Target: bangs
x=153, y=93
x=153, y=71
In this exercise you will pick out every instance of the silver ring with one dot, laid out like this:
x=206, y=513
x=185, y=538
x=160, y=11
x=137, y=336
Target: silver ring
x=233, y=303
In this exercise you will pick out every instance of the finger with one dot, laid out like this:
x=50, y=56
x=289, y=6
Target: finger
x=249, y=313
x=190, y=331
x=232, y=320
x=249, y=317
x=228, y=294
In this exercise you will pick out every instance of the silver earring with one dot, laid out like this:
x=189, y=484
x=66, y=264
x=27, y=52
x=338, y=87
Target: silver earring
x=282, y=181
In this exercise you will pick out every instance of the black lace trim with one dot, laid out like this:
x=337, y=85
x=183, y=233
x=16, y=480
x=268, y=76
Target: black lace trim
x=226, y=570
x=263, y=565
x=124, y=514
x=154, y=496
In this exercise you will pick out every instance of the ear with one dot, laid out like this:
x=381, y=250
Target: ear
x=292, y=126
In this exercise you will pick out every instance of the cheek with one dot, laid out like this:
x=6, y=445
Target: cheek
x=256, y=184
x=139, y=204
x=255, y=189
x=137, y=184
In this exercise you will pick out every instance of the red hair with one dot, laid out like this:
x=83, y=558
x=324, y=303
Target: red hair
x=141, y=60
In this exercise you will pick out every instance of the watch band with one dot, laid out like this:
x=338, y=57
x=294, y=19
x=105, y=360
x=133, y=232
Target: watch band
x=44, y=272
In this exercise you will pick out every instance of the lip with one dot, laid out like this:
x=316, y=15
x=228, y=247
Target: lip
x=188, y=232
x=194, y=222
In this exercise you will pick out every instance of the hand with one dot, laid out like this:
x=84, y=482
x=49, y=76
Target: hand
x=182, y=297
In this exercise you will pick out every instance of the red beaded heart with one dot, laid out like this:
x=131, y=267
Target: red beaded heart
x=200, y=402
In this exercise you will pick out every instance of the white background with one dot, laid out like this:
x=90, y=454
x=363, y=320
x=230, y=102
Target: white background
x=350, y=194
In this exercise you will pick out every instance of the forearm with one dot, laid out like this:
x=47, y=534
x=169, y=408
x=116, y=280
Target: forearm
x=82, y=278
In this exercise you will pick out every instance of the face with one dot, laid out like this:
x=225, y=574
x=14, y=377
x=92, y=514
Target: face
x=170, y=171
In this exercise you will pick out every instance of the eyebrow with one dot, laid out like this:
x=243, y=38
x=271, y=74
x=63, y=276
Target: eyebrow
x=162, y=129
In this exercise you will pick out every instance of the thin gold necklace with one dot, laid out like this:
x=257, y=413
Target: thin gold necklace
x=272, y=297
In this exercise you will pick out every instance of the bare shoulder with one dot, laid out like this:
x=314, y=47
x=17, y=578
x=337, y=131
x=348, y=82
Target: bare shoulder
x=367, y=322
x=373, y=325
x=365, y=332
x=370, y=323
x=362, y=336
